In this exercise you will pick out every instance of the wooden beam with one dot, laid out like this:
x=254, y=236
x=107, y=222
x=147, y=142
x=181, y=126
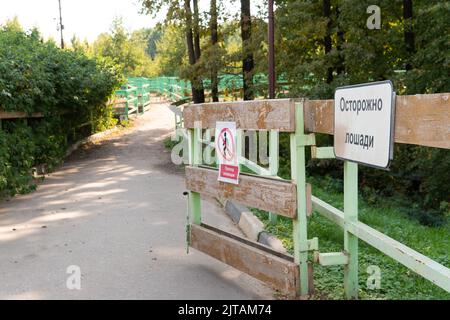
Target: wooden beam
x=249, y=115
x=270, y=194
x=319, y=116
x=309, y=209
x=19, y=115
x=274, y=268
x=422, y=119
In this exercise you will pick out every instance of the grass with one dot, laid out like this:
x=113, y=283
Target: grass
x=387, y=216
x=397, y=281
x=169, y=144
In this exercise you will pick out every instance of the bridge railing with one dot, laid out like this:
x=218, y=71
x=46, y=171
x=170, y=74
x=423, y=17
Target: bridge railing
x=176, y=89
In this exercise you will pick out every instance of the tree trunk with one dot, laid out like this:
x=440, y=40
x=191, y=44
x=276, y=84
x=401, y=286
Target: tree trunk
x=190, y=40
x=327, y=38
x=340, y=68
x=408, y=33
x=271, y=42
x=196, y=31
x=197, y=87
x=214, y=40
x=247, y=63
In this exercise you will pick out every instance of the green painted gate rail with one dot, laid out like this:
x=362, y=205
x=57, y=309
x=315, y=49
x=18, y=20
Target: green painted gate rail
x=420, y=120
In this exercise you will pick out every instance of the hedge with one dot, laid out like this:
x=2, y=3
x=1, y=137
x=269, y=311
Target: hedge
x=67, y=87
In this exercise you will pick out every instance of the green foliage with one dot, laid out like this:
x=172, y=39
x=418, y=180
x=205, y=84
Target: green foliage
x=169, y=143
x=397, y=282
x=431, y=61
x=18, y=156
x=358, y=55
x=151, y=36
x=67, y=87
x=126, y=51
x=171, y=51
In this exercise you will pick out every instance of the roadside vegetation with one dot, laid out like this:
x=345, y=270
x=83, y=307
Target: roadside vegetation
x=66, y=87
x=397, y=281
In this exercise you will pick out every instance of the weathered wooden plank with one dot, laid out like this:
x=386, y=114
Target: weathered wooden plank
x=274, y=195
x=308, y=200
x=117, y=102
x=319, y=116
x=275, y=114
x=272, y=267
x=119, y=110
x=19, y=115
x=422, y=119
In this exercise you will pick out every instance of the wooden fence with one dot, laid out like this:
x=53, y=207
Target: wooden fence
x=420, y=120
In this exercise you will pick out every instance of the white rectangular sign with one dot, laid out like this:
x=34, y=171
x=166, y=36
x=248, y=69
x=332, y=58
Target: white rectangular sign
x=364, y=123
x=226, y=152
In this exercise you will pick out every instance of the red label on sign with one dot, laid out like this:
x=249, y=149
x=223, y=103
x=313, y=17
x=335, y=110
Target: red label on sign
x=229, y=172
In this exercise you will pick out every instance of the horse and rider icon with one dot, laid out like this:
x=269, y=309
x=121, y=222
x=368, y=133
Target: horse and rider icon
x=226, y=144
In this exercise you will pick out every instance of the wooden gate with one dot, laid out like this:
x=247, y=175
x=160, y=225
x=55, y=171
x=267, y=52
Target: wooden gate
x=290, y=275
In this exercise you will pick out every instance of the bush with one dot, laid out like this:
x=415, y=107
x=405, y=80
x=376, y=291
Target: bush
x=67, y=87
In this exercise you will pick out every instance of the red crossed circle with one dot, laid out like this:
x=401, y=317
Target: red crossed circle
x=227, y=153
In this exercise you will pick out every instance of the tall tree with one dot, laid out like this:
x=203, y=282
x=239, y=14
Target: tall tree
x=271, y=49
x=408, y=32
x=198, y=82
x=153, y=36
x=181, y=11
x=196, y=29
x=340, y=68
x=247, y=62
x=327, y=38
x=196, y=91
x=214, y=40
x=13, y=25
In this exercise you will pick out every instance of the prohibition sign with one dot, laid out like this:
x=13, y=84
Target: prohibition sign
x=225, y=144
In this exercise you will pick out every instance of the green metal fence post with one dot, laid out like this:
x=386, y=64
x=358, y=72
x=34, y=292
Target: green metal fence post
x=273, y=163
x=298, y=174
x=127, y=105
x=195, y=155
x=140, y=102
x=350, y=240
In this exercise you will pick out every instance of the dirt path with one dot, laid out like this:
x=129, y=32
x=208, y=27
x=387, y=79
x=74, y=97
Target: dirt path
x=116, y=210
